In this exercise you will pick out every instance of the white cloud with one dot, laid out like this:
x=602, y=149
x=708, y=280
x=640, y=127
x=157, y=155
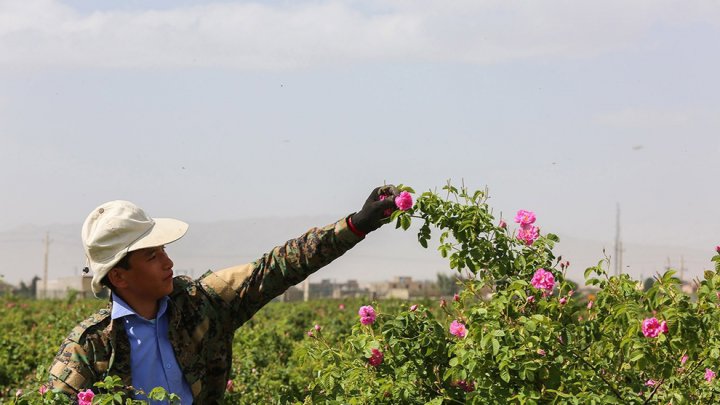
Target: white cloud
x=46, y=33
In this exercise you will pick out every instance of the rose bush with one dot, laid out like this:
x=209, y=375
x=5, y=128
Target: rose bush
x=518, y=334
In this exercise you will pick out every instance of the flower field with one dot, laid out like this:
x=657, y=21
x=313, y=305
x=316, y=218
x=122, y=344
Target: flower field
x=518, y=332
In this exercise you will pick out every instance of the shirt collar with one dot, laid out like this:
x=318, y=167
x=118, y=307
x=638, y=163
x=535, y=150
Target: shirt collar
x=120, y=308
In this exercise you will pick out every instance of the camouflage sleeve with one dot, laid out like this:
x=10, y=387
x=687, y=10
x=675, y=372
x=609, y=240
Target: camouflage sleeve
x=247, y=288
x=70, y=371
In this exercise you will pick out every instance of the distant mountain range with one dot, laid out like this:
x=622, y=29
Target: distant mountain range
x=385, y=254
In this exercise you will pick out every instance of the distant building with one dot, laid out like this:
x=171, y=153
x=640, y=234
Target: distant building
x=404, y=287
x=326, y=288
x=59, y=288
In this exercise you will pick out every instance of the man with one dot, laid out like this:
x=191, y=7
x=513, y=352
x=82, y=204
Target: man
x=177, y=333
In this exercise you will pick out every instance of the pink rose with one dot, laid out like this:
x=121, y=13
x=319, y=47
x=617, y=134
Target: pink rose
x=443, y=303
x=367, y=315
x=543, y=280
x=404, y=201
x=85, y=397
x=318, y=327
x=651, y=327
x=528, y=235
x=413, y=308
x=590, y=304
x=563, y=301
x=525, y=218
x=229, y=386
x=376, y=358
x=683, y=359
x=458, y=329
x=541, y=352
x=310, y=334
x=570, y=293
x=19, y=393
x=709, y=375
x=341, y=307
x=502, y=224
x=717, y=249
x=43, y=389
x=650, y=383
x=456, y=298
x=530, y=298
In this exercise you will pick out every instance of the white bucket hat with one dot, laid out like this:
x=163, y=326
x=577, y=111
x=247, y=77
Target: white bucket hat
x=118, y=227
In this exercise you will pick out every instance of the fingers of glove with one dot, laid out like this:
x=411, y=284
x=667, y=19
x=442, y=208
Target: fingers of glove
x=388, y=190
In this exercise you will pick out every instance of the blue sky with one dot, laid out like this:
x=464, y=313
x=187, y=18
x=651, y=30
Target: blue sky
x=209, y=111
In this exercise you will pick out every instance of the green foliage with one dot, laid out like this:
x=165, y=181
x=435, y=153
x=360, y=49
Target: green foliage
x=553, y=348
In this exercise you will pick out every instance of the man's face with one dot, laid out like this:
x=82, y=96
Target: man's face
x=150, y=273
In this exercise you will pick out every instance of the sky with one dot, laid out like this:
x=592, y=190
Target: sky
x=219, y=110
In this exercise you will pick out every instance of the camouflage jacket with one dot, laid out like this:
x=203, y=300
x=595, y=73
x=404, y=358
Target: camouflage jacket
x=203, y=316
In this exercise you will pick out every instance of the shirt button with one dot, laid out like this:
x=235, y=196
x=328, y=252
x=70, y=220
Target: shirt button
x=167, y=365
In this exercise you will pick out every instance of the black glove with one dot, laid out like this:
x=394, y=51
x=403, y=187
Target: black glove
x=376, y=210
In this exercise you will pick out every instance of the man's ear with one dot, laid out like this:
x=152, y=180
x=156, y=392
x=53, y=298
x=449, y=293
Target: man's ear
x=116, y=276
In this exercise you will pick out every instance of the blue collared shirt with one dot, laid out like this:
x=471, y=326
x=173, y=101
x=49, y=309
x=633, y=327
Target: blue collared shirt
x=152, y=359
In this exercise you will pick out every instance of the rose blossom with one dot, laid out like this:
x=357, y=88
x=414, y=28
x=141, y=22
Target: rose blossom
x=367, y=315
x=683, y=359
x=456, y=298
x=404, y=201
x=318, y=327
x=530, y=298
x=341, y=307
x=413, y=307
x=590, y=304
x=543, y=280
x=525, y=218
x=376, y=358
x=502, y=224
x=229, y=386
x=458, y=329
x=310, y=334
x=709, y=375
x=563, y=301
x=19, y=393
x=650, y=383
x=43, y=389
x=541, y=352
x=528, y=235
x=443, y=303
x=717, y=248
x=651, y=327
x=85, y=397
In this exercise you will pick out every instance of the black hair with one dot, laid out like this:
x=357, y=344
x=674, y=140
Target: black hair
x=124, y=264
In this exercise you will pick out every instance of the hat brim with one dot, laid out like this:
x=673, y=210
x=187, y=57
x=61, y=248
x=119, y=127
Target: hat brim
x=165, y=230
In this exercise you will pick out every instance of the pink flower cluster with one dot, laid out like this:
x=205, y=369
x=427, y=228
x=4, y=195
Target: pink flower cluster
x=85, y=397
x=528, y=232
x=709, y=375
x=458, y=329
x=404, y=201
x=367, y=315
x=376, y=358
x=717, y=249
x=651, y=327
x=543, y=280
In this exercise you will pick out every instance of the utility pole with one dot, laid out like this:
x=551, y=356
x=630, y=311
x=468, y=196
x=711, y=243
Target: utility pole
x=45, y=267
x=682, y=269
x=618, y=243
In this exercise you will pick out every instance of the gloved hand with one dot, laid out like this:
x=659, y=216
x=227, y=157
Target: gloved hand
x=375, y=210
